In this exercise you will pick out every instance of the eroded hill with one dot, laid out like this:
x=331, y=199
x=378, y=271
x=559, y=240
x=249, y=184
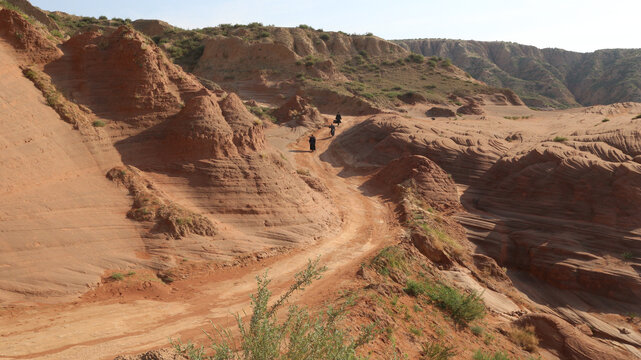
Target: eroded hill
x=543, y=78
x=455, y=216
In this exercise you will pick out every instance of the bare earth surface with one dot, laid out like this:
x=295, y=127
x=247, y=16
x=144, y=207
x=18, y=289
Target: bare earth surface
x=206, y=197
x=104, y=329
x=61, y=221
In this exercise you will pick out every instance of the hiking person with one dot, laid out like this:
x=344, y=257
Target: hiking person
x=312, y=143
x=338, y=119
x=332, y=129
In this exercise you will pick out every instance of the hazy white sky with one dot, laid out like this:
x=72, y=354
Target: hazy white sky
x=576, y=25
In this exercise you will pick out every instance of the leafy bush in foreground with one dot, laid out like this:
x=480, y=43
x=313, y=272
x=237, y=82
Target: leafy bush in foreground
x=299, y=336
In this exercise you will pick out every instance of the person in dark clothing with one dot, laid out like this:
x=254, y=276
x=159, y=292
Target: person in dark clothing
x=338, y=119
x=312, y=143
x=332, y=129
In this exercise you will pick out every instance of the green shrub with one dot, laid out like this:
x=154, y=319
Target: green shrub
x=446, y=63
x=324, y=37
x=559, y=139
x=416, y=331
x=303, y=26
x=30, y=74
x=390, y=258
x=436, y=351
x=117, y=276
x=463, y=308
x=299, y=336
x=480, y=355
x=369, y=34
x=414, y=288
x=605, y=120
x=476, y=330
x=417, y=58
x=57, y=34
x=264, y=34
x=98, y=123
x=52, y=98
x=627, y=255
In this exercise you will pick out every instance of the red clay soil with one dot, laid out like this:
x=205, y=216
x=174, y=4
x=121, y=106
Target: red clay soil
x=103, y=329
x=560, y=211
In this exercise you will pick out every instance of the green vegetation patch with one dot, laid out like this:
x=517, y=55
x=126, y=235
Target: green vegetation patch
x=296, y=335
x=391, y=258
x=462, y=307
x=480, y=355
x=436, y=351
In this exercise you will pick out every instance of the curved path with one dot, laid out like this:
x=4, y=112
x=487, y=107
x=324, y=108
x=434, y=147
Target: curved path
x=104, y=329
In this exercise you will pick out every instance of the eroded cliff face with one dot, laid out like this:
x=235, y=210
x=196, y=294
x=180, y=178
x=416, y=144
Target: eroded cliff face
x=565, y=211
x=543, y=77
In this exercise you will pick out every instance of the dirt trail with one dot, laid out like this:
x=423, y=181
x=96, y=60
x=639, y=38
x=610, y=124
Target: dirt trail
x=102, y=330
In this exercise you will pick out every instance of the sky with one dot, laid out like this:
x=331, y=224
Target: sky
x=574, y=25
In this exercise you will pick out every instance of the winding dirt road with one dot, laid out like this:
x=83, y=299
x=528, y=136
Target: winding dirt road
x=104, y=329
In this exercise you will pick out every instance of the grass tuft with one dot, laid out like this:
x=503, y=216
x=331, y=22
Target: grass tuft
x=627, y=255
x=476, y=330
x=463, y=308
x=525, y=337
x=117, y=276
x=436, y=351
x=390, y=259
x=480, y=355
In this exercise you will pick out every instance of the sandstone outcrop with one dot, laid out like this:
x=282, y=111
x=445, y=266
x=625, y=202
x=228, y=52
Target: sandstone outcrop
x=567, y=342
x=297, y=111
x=28, y=40
x=94, y=66
x=436, y=111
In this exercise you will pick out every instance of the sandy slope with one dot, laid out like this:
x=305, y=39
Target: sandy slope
x=101, y=330
x=61, y=222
